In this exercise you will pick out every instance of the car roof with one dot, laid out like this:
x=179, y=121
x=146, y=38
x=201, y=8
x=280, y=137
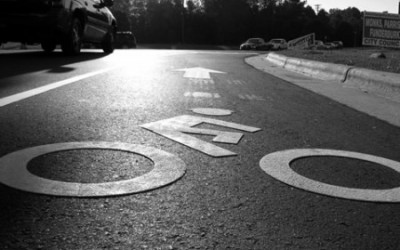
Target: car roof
x=255, y=38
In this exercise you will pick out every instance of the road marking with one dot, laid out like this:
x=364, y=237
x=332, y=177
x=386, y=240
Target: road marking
x=212, y=111
x=236, y=82
x=251, y=97
x=201, y=81
x=202, y=95
x=176, y=127
x=24, y=95
x=199, y=73
x=14, y=173
x=277, y=165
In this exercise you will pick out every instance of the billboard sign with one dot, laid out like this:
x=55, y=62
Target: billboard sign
x=302, y=42
x=381, y=30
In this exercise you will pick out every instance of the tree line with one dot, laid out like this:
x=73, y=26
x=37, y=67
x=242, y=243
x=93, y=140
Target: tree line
x=231, y=22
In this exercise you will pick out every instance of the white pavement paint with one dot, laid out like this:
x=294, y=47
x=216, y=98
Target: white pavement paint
x=27, y=94
x=176, y=128
x=277, y=165
x=236, y=82
x=201, y=81
x=199, y=73
x=212, y=111
x=251, y=97
x=14, y=173
x=202, y=95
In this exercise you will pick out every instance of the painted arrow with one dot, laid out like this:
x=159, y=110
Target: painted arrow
x=199, y=73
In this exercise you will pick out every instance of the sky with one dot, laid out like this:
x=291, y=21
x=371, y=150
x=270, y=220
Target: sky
x=363, y=5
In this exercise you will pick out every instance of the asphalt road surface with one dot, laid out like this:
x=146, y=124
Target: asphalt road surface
x=75, y=129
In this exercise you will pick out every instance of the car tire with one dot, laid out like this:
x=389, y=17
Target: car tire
x=108, y=42
x=72, y=42
x=48, y=46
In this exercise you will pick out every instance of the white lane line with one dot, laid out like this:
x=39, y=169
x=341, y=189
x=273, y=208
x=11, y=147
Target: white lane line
x=24, y=95
x=251, y=97
x=202, y=95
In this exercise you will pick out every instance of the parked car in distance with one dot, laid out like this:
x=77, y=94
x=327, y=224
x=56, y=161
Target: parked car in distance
x=329, y=45
x=338, y=44
x=125, y=40
x=318, y=44
x=278, y=43
x=255, y=44
x=53, y=22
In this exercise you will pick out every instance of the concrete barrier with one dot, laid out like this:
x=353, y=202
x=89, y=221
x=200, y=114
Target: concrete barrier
x=380, y=83
x=320, y=70
x=323, y=71
x=276, y=59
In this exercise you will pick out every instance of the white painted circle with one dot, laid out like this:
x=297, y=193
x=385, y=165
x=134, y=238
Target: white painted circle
x=14, y=173
x=212, y=111
x=278, y=166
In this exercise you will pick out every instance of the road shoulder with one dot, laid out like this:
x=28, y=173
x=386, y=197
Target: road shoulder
x=365, y=102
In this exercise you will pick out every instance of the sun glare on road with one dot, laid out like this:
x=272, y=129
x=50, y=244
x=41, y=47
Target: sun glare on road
x=142, y=64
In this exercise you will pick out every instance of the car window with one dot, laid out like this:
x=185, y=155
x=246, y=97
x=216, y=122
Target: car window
x=255, y=41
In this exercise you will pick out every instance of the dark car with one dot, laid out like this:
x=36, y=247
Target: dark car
x=255, y=44
x=125, y=40
x=69, y=23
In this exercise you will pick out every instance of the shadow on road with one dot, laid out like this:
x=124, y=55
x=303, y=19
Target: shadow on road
x=17, y=63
